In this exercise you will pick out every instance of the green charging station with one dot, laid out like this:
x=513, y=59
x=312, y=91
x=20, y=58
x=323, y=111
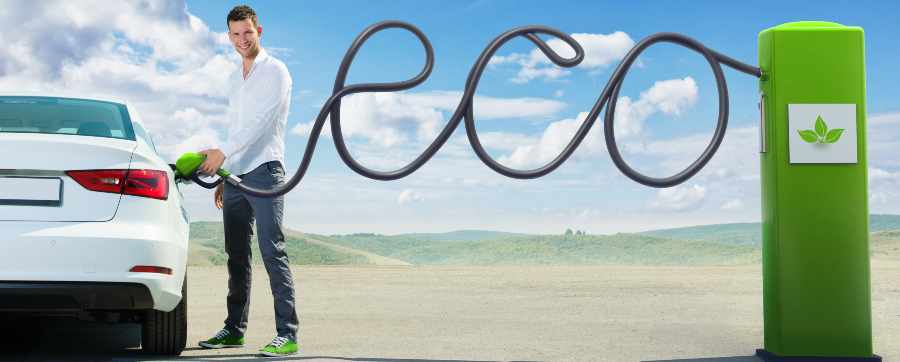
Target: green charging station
x=816, y=284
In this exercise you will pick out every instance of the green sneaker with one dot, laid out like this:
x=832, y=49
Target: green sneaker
x=279, y=347
x=223, y=339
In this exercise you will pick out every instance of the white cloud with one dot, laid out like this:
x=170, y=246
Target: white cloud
x=736, y=159
x=195, y=133
x=679, y=198
x=304, y=129
x=503, y=59
x=557, y=135
x=884, y=189
x=877, y=175
x=884, y=167
x=600, y=50
x=408, y=196
x=884, y=140
x=506, y=141
x=884, y=119
x=383, y=119
x=390, y=119
x=154, y=54
x=486, y=107
x=528, y=73
x=733, y=204
x=671, y=97
x=731, y=176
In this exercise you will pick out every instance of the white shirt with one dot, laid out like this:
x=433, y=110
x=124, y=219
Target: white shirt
x=257, y=114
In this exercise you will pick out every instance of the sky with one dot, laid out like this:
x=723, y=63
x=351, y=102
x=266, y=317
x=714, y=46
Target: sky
x=171, y=60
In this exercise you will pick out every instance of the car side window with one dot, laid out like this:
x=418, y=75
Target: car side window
x=141, y=133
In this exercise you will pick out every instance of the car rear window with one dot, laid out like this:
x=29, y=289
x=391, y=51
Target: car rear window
x=70, y=116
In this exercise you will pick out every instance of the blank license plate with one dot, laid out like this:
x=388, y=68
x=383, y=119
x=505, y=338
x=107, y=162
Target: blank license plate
x=28, y=191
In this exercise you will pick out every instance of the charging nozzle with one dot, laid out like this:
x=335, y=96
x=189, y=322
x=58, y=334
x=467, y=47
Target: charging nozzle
x=188, y=165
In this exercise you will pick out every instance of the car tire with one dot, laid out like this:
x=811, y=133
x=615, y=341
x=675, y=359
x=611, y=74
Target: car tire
x=165, y=333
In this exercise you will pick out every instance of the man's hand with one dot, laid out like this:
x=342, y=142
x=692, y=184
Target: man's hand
x=218, y=197
x=214, y=160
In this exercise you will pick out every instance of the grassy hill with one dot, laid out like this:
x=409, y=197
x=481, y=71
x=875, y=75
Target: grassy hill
x=739, y=233
x=554, y=249
x=462, y=235
x=750, y=233
x=207, y=247
x=699, y=245
x=879, y=223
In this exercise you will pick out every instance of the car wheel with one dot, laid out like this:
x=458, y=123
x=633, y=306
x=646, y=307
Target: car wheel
x=166, y=332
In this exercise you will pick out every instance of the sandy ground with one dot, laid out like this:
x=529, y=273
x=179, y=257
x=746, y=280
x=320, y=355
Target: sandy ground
x=387, y=313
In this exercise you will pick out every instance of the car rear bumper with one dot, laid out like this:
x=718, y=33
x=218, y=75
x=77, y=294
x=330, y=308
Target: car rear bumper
x=29, y=296
x=95, y=253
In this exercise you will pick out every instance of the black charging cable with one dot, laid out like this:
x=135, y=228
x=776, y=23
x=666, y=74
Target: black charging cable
x=465, y=108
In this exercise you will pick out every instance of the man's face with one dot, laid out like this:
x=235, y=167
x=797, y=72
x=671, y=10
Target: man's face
x=245, y=37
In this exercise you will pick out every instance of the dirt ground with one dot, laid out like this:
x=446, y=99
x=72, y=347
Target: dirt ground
x=387, y=313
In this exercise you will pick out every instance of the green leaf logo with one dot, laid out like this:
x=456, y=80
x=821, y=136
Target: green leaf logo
x=821, y=127
x=821, y=134
x=808, y=135
x=834, y=135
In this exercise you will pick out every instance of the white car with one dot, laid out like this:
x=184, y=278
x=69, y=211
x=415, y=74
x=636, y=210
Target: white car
x=91, y=218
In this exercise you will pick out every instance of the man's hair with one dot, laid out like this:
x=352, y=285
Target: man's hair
x=242, y=12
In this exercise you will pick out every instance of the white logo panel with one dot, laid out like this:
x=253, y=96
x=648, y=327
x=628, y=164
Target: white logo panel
x=822, y=133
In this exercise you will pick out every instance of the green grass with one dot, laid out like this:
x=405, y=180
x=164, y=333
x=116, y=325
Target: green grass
x=724, y=244
x=628, y=249
x=462, y=235
x=207, y=247
x=750, y=233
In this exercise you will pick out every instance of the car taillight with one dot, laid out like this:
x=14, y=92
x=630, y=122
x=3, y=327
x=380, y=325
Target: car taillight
x=145, y=183
x=100, y=180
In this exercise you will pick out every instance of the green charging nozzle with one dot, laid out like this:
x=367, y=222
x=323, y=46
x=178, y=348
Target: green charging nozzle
x=188, y=165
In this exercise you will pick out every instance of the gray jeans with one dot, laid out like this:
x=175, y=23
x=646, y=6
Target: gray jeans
x=238, y=211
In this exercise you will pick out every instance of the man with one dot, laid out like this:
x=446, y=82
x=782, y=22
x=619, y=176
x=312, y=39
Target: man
x=258, y=102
